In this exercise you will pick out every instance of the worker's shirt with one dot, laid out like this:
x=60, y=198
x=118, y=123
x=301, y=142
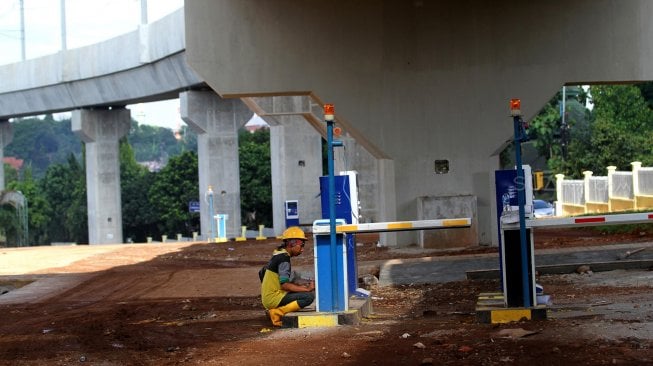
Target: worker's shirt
x=277, y=273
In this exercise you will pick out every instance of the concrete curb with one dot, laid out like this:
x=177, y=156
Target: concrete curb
x=491, y=274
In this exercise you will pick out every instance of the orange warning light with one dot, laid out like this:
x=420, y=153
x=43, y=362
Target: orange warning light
x=329, y=112
x=515, y=107
x=337, y=131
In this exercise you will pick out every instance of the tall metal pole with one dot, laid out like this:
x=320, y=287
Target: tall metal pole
x=22, y=30
x=329, y=118
x=64, y=45
x=563, y=124
x=521, y=199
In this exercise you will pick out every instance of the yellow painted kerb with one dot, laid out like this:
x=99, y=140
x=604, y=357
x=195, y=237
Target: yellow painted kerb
x=317, y=321
x=512, y=315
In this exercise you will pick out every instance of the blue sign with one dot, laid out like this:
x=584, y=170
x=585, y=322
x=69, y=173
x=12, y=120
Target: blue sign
x=193, y=206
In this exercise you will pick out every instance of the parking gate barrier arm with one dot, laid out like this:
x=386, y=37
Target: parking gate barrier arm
x=578, y=221
x=397, y=226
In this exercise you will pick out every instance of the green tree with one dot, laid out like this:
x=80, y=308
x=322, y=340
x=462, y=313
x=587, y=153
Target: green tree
x=619, y=132
x=42, y=142
x=173, y=187
x=255, y=178
x=8, y=225
x=57, y=186
x=152, y=143
x=544, y=129
x=38, y=207
x=138, y=219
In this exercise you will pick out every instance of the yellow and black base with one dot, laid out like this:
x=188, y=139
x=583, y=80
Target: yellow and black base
x=491, y=308
x=359, y=308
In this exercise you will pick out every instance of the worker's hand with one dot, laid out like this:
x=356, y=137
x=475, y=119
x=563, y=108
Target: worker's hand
x=311, y=286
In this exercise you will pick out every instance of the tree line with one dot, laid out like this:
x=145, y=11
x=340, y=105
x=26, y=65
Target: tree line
x=154, y=203
x=603, y=125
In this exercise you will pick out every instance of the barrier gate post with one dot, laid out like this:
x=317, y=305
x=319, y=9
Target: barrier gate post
x=526, y=255
x=331, y=289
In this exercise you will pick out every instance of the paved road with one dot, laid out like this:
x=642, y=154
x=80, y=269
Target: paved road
x=447, y=269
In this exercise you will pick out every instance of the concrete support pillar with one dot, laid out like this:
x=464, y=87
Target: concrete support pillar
x=387, y=199
x=6, y=135
x=353, y=156
x=216, y=122
x=101, y=131
x=295, y=128
x=296, y=154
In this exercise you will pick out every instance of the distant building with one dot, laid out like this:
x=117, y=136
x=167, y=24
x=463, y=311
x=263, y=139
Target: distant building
x=13, y=162
x=251, y=128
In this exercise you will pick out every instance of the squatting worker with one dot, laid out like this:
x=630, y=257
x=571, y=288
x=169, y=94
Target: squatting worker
x=278, y=294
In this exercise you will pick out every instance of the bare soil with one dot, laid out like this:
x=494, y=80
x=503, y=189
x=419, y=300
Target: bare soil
x=164, y=304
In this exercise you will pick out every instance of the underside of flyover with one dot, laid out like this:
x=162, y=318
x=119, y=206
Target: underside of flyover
x=417, y=82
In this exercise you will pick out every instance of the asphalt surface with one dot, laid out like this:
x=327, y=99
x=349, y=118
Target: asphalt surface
x=565, y=260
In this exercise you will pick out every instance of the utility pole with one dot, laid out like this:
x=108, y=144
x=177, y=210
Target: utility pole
x=143, y=12
x=63, y=26
x=22, y=30
x=563, y=125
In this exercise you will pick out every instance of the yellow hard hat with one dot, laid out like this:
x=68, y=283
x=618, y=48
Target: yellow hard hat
x=294, y=232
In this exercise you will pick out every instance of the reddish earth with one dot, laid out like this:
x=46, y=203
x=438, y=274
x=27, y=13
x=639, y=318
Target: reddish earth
x=198, y=303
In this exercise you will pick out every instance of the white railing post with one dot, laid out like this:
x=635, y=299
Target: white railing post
x=637, y=165
x=611, y=170
x=559, y=195
x=586, y=187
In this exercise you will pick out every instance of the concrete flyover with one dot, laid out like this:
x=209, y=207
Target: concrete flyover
x=422, y=83
x=97, y=81
x=142, y=66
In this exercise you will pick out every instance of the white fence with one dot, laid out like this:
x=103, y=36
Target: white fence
x=618, y=191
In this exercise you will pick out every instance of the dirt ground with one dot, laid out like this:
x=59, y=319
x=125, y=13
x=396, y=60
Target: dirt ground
x=170, y=304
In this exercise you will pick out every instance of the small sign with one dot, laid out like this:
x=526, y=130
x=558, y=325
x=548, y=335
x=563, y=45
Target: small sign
x=193, y=206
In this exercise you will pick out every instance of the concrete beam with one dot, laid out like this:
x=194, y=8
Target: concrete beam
x=353, y=156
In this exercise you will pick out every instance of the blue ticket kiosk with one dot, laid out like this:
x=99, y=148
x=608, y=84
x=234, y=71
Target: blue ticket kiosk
x=292, y=213
x=346, y=202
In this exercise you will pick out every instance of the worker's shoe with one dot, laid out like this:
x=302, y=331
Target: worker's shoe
x=276, y=314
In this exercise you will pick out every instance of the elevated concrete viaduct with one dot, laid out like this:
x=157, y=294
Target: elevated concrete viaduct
x=96, y=82
x=414, y=82
x=421, y=81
